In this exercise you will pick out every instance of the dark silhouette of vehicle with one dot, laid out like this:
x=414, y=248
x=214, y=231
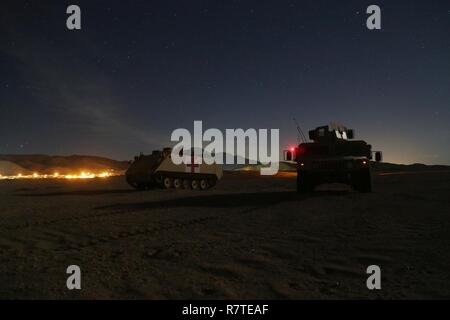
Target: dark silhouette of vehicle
x=332, y=157
x=158, y=170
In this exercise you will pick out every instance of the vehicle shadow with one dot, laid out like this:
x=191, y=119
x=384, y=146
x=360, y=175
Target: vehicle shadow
x=229, y=200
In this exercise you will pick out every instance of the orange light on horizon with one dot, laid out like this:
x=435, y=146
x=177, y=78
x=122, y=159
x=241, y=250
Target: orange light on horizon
x=82, y=175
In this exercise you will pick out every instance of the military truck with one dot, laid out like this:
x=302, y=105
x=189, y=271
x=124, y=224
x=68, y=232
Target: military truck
x=158, y=171
x=333, y=157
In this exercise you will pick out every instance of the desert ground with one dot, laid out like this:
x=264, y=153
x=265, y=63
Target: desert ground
x=249, y=237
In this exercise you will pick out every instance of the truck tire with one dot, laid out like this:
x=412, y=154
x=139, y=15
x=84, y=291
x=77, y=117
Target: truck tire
x=305, y=182
x=362, y=181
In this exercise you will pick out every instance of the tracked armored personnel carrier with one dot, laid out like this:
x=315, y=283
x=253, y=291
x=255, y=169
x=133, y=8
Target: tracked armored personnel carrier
x=333, y=157
x=158, y=171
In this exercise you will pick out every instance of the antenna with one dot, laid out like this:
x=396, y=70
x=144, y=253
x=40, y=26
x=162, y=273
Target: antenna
x=301, y=136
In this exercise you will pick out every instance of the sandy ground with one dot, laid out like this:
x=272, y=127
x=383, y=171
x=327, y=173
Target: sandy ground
x=249, y=237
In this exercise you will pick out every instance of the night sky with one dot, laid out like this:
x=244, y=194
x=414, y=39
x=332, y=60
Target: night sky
x=140, y=69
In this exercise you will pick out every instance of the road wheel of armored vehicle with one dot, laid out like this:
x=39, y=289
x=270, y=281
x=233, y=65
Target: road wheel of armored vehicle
x=140, y=186
x=178, y=183
x=168, y=182
x=361, y=181
x=159, y=179
x=203, y=184
x=195, y=184
x=211, y=183
x=305, y=182
x=186, y=184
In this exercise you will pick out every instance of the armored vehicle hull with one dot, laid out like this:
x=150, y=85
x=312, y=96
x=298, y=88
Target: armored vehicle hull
x=158, y=171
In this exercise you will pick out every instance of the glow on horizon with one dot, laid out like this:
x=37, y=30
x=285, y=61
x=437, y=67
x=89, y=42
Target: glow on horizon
x=76, y=176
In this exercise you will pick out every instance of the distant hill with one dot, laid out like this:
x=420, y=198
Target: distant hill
x=389, y=167
x=45, y=164
x=376, y=166
x=8, y=168
x=283, y=166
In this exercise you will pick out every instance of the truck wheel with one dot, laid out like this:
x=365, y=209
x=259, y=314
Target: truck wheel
x=177, y=183
x=305, y=182
x=195, y=184
x=168, y=182
x=186, y=184
x=361, y=181
x=203, y=184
